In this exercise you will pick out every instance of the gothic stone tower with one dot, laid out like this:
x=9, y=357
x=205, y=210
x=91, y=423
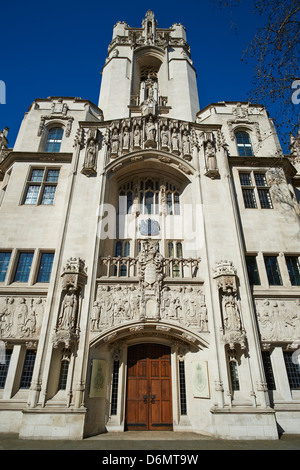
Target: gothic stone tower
x=149, y=256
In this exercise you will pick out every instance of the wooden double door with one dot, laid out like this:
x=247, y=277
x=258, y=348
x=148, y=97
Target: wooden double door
x=149, y=388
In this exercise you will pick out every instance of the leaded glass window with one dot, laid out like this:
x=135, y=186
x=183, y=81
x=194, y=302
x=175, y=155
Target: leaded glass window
x=54, y=140
x=45, y=267
x=41, y=186
x=4, y=262
x=244, y=144
x=23, y=267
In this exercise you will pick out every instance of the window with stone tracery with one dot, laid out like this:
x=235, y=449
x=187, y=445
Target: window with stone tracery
x=150, y=196
x=149, y=72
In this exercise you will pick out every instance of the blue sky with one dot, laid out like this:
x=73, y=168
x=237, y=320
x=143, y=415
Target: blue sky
x=58, y=48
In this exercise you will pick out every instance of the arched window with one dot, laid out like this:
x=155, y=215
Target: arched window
x=243, y=144
x=153, y=195
x=149, y=201
x=54, y=139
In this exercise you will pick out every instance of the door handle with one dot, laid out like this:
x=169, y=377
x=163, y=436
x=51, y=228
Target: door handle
x=153, y=398
x=145, y=398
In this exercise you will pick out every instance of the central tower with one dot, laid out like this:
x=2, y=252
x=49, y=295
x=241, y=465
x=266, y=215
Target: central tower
x=149, y=70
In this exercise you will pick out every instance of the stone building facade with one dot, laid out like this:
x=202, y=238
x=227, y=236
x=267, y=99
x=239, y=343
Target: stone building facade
x=149, y=259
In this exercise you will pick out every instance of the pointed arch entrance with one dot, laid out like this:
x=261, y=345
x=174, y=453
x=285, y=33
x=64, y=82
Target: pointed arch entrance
x=149, y=388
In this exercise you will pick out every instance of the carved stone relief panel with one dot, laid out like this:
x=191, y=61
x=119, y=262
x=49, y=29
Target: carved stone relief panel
x=21, y=317
x=278, y=319
x=117, y=304
x=185, y=304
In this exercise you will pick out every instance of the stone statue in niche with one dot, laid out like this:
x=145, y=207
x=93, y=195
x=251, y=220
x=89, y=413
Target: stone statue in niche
x=233, y=332
x=115, y=142
x=210, y=157
x=149, y=105
x=126, y=138
x=137, y=137
x=210, y=154
x=68, y=315
x=232, y=320
x=73, y=278
x=186, y=145
x=164, y=137
x=175, y=141
x=90, y=161
x=150, y=133
x=90, y=154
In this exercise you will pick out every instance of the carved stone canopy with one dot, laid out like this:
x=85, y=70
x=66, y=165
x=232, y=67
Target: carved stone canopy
x=74, y=274
x=225, y=274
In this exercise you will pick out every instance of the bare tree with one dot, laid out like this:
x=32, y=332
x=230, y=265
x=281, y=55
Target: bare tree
x=275, y=49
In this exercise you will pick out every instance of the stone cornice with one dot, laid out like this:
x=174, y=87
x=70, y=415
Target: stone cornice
x=35, y=157
x=269, y=162
x=195, y=125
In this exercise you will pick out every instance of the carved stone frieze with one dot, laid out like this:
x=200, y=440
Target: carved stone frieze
x=21, y=317
x=117, y=304
x=148, y=132
x=278, y=320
